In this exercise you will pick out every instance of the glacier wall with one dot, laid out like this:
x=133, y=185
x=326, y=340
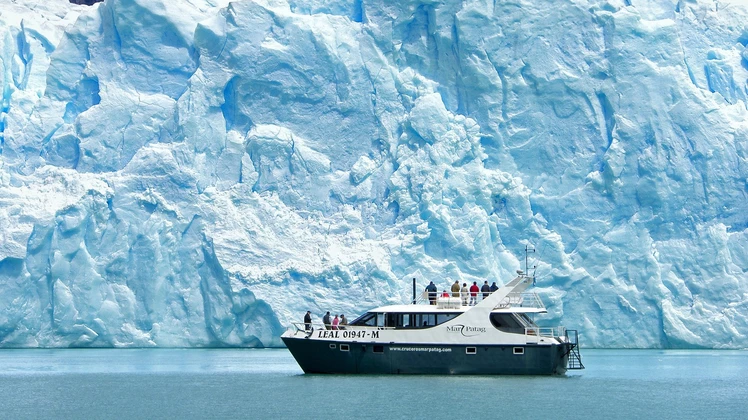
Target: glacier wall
x=202, y=172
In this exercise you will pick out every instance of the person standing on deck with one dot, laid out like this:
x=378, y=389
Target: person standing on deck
x=474, y=293
x=464, y=292
x=326, y=320
x=456, y=289
x=431, y=289
x=494, y=287
x=308, y=321
x=485, y=289
x=343, y=321
x=335, y=322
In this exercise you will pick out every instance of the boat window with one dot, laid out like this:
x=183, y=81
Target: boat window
x=368, y=319
x=391, y=320
x=507, y=323
x=470, y=350
x=525, y=320
x=332, y=345
x=422, y=320
x=378, y=349
x=519, y=350
x=403, y=320
x=442, y=318
x=344, y=347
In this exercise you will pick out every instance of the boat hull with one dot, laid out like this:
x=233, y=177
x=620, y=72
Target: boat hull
x=324, y=356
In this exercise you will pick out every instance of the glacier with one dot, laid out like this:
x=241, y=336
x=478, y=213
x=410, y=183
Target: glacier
x=200, y=173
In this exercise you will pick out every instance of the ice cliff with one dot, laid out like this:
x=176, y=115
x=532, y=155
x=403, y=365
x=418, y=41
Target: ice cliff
x=201, y=172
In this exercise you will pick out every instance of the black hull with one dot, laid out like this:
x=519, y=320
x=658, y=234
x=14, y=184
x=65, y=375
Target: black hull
x=318, y=356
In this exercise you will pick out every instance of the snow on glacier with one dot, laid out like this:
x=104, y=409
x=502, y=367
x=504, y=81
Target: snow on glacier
x=200, y=173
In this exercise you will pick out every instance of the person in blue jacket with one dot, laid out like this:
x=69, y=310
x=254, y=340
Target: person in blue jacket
x=431, y=289
x=485, y=289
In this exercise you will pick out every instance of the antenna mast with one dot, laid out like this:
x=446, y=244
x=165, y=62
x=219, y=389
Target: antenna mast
x=527, y=271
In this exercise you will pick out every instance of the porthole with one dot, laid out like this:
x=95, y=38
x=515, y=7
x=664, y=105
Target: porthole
x=378, y=349
x=519, y=350
x=344, y=347
x=470, y=350
x=332, y=345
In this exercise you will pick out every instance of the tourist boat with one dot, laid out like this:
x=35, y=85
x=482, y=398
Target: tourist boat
x=496, y=336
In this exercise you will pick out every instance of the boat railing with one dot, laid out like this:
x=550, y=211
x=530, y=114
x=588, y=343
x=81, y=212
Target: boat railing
x=521, y=300
x=316, y=326
x=533, y=334
x=450, y=301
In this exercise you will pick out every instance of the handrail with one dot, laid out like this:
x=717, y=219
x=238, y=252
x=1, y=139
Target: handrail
x=550, y=332
x=532, y=334
x=423, y=298
x=315, y=326
x=521, y=300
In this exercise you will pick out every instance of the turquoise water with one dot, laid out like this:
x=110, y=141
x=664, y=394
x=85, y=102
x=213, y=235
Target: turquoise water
x=231, y=383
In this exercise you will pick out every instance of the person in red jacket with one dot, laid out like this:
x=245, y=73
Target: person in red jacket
x=474, y=293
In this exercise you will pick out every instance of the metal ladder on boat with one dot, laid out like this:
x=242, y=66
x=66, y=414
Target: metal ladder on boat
x=575, y=359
